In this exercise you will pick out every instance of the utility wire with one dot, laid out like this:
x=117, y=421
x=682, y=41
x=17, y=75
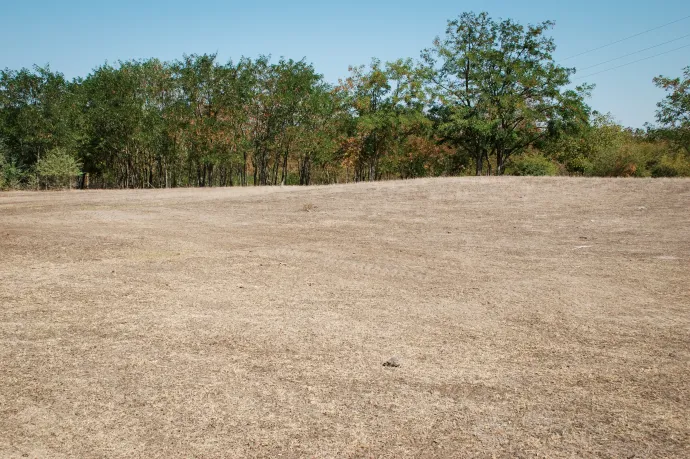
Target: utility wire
x=635, y=52
x=631, y=63
x=624, y=39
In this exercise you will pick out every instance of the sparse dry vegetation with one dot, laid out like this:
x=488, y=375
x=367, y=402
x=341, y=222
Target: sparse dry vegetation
x=309, y=207
x=532, y=317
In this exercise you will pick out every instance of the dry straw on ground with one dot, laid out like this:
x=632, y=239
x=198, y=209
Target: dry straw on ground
x=533, y=318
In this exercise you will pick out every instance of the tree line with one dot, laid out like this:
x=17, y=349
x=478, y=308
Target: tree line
x=485, y=98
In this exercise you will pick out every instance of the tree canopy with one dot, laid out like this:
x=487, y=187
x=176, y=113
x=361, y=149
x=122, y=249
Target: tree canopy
x=485, y=98
x=674, y=111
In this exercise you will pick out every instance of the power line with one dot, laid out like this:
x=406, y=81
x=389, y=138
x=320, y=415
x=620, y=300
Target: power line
x=631, y=63
x=635, y=52
x=624, y=39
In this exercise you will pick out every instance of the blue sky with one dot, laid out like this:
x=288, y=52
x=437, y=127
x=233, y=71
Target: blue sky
x=76, y=36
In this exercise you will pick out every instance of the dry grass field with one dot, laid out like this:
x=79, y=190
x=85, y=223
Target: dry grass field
x=531, y=317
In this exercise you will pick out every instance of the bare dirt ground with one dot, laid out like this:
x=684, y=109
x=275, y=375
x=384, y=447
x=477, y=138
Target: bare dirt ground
x=531, y=318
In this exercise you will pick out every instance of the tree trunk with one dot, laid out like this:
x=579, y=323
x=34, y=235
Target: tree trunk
x=479, y=160
x=285, y=163
x=243, y=179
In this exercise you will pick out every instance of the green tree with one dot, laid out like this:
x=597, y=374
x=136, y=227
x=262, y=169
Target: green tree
x=58, y=168
x=368, y=96
x=387, y=103
x=202, y=81
x=317, y=135
x=125, y=140
x=38, y=112
x=578, y=148
x=498, y=90
x=114, y=113
x=278, y=114
x=674, y=111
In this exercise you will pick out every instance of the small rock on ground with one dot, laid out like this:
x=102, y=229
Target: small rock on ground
x=392, y=362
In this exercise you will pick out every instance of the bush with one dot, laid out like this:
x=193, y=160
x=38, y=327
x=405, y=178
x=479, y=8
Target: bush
x=671, y=166
x=578, y=165
x=11, y=176
x=626, y=161
x=532, y=165
x=57, y=169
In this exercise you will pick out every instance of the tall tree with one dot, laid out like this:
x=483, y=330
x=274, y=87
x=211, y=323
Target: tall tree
x=37, y=113
x=122, y=107
x=498, y=88
x=387, y=104
x=674, y=111
x=369, y=99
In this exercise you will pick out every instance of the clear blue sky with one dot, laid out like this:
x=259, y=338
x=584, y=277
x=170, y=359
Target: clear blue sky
x=76, y=36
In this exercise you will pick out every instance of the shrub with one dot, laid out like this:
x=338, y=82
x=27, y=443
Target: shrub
x=626, y=161
x=671, y=166
x=11, y=176
x=532, y=165
x=57, y=169
x=578, y=165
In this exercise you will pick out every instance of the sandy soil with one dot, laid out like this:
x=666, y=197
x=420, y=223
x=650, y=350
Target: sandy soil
x=530, y=317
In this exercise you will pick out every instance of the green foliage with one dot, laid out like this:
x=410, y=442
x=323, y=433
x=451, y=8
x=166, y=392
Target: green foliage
x=57, y=169
x=619, y=163
x=498, y=89
x=674, y=111
x=11, y=176
x=481, y=97
x=532, y=164
x=3, y=165
x=671, y=166
x=577, y=148
x=387, y=104
x=636, y=154
x=37, y=113
x=604, y=148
